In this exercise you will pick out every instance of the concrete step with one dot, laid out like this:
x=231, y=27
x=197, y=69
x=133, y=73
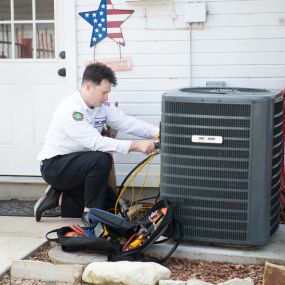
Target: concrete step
x=25, y=188
x=30, y=188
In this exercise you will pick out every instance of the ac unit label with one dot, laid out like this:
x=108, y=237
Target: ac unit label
x=207, y=139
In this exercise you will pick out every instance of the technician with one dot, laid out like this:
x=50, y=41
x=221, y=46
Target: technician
x=75, y=159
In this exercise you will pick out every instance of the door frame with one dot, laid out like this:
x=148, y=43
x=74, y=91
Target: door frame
x=65, y=26
x=68, y=8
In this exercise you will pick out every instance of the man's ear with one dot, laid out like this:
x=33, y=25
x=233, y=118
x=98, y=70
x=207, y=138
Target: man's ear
x=88, y=86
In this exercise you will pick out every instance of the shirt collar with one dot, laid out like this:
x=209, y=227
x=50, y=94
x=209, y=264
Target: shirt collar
x=81, y=101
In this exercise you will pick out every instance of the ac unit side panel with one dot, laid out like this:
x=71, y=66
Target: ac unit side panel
x=266, y=169
x=262, y=128
x=276, y=163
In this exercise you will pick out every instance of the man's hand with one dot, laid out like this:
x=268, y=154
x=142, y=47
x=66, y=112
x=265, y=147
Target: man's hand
x=145, y=147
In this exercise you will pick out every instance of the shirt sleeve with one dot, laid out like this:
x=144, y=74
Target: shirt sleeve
x=75, y=126
x=128, y=124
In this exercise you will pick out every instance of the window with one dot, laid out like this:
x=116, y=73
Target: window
x=27, y=26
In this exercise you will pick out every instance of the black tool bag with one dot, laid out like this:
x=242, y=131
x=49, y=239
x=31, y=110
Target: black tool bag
x=119, y=238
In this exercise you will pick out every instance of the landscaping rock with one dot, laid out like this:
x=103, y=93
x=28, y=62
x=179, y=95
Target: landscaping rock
x=273, y=274
x=237, y=281
x=171, y=282
x=58, y=256
x=197, y=282
x=125, y=273
x=44, y=271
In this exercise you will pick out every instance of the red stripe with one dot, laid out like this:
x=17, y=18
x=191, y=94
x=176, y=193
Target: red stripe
x=115, y=35
x=109, y=2
x=117, y=12
x=114, y=24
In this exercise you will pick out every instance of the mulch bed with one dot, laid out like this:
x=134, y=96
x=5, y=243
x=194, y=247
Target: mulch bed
x=183, y=269
x=213, y=272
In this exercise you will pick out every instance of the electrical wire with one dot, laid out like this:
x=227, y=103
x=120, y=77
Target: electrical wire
x=135, y=170
x=145, y=177
x=137, y=166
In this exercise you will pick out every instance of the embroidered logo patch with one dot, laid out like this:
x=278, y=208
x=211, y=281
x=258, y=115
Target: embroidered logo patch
x=77, y=116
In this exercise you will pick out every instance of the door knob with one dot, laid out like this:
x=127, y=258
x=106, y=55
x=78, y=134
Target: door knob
x=62, y=72
x=62, y=54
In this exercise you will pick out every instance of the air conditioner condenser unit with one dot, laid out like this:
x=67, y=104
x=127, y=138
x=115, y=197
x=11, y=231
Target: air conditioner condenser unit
x=221, y=159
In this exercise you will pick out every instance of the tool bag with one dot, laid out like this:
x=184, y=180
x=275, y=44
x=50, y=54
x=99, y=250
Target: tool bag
x=119, y=238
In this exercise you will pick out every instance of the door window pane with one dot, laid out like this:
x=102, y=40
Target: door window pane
x=23, y=10
x=5, y=41
x=5, y=10
x=45, y=41
x=44, y=10
x=23, y=41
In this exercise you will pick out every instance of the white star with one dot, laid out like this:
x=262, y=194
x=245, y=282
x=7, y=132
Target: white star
x=103, y=29
x=100, y=35
x=96, y=30
x=101, y=13
x=95, y=20
x=103, y=20
x=86, y=15
x=94, y=14
x=94, y=39
x=103, y=6
x=99, y=25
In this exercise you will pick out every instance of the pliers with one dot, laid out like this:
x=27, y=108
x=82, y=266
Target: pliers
x=78, y=229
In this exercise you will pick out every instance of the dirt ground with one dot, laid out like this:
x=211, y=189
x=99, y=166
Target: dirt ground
x=181, y=269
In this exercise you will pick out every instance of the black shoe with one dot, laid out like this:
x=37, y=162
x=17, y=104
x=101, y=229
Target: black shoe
x=49, y=201
x=86, y=221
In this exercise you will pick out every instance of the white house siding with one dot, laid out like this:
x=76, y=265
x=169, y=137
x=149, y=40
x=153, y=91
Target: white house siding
x=242, y=43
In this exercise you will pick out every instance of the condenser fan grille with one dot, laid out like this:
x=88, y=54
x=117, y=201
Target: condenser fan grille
x=231, y=110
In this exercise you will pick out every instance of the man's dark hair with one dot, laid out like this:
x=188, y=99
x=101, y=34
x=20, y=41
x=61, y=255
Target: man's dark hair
x=96, y=72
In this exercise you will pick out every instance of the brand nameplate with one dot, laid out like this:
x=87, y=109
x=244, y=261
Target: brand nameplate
x=207, y=139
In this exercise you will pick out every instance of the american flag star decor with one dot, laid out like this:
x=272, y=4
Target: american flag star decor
x=106, y=22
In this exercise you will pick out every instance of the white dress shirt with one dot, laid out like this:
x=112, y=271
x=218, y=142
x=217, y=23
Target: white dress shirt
x=76, y=127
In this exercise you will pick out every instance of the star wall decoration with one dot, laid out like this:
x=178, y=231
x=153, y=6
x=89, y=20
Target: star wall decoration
x=106, y=22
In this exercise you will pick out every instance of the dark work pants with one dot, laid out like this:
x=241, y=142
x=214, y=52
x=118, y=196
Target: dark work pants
x=82, y=178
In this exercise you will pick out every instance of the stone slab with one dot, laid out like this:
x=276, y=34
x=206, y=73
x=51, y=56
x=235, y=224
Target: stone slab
x=273, y=274
x=197, y=282
x=13, y=248
x=172, y=282
x=125, y=273
x=272, y=252
x=237, y=281
x=44, y=271
x=58, y=256
x=20, y=236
